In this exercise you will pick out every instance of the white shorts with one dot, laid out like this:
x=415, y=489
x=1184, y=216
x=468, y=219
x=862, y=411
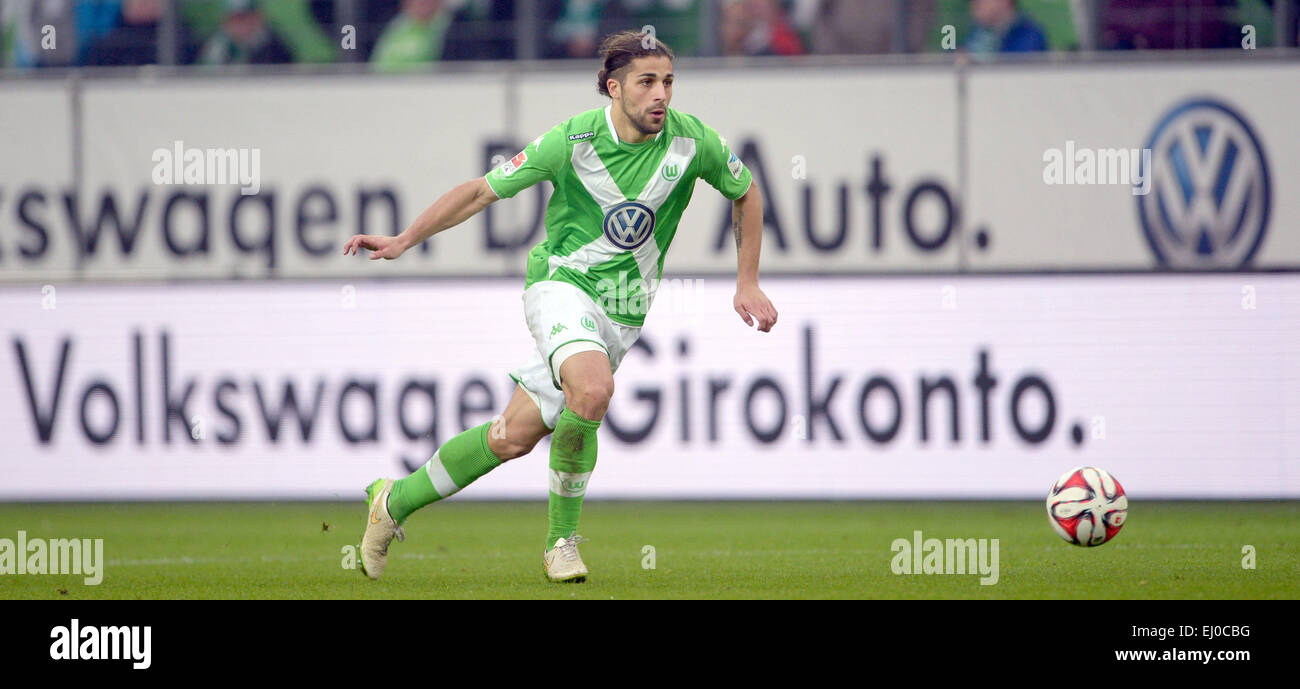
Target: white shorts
x=564, y=321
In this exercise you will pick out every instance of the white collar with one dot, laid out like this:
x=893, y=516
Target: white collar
x=609, y=120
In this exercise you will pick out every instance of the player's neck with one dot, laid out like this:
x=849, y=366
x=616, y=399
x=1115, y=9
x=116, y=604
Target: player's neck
x=627, y=132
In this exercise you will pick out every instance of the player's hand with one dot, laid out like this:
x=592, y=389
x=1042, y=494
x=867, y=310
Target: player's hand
x=751, y=303
x=380, y=246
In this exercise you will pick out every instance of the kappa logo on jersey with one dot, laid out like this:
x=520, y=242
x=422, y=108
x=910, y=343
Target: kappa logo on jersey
x=1210, y=197
x=629, y=224
x=580, y=137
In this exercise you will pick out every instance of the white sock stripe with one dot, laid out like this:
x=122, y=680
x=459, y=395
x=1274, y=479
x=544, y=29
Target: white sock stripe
x=438, y=475
x=569, y=485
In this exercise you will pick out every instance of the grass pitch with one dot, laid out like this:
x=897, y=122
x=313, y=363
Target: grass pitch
x=701, y=550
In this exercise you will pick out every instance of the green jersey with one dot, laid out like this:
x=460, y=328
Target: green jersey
x=616, y=205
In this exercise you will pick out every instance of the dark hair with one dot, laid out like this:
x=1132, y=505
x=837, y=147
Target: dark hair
x=620, y=49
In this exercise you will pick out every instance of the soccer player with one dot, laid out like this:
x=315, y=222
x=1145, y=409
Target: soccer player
x=623, y=174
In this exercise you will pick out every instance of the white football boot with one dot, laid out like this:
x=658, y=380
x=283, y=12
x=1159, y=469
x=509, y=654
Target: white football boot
x=562, y=561
x=380, y=529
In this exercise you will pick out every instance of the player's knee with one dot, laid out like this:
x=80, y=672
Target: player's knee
x=506, y=445
x=589, y=397
x=514, y=449
x=507, y=448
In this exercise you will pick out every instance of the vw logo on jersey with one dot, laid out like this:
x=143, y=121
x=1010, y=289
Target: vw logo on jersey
x=1210, y=195
x=629, y=224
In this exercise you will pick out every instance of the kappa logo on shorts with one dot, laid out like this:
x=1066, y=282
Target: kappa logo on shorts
x=558, y=327
x=588, y=323
x=629, y=224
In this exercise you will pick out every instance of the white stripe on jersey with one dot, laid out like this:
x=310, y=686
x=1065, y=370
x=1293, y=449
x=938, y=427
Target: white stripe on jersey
x=600, y=185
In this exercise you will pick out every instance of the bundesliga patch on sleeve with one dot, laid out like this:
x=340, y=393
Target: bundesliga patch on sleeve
x=513, y=164
x=735, y=166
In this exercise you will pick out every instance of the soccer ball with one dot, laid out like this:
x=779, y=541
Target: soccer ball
x=1087, y=506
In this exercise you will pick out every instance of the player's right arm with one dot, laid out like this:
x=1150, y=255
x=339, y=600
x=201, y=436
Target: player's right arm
x=453, y=208
x=540, y=160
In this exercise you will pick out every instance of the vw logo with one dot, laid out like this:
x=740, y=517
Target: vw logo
x=1210, y=196
x=629, y=224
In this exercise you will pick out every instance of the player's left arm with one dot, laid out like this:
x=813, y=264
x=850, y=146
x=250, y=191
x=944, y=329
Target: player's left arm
x=747, y=225
x=726, y=172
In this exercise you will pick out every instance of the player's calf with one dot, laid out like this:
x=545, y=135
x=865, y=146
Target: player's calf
x=519, y=428
x=588, y=382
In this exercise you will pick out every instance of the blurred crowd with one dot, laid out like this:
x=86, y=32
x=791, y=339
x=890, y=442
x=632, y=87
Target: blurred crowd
x=405, y=34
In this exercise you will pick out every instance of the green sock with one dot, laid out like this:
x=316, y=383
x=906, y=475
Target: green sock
x=573, y=456
x=458, y=463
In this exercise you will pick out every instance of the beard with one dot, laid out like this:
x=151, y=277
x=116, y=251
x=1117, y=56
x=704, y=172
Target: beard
x=643, y=123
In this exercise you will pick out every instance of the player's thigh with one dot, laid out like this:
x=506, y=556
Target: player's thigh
x=518, y=429
x=588, y=381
